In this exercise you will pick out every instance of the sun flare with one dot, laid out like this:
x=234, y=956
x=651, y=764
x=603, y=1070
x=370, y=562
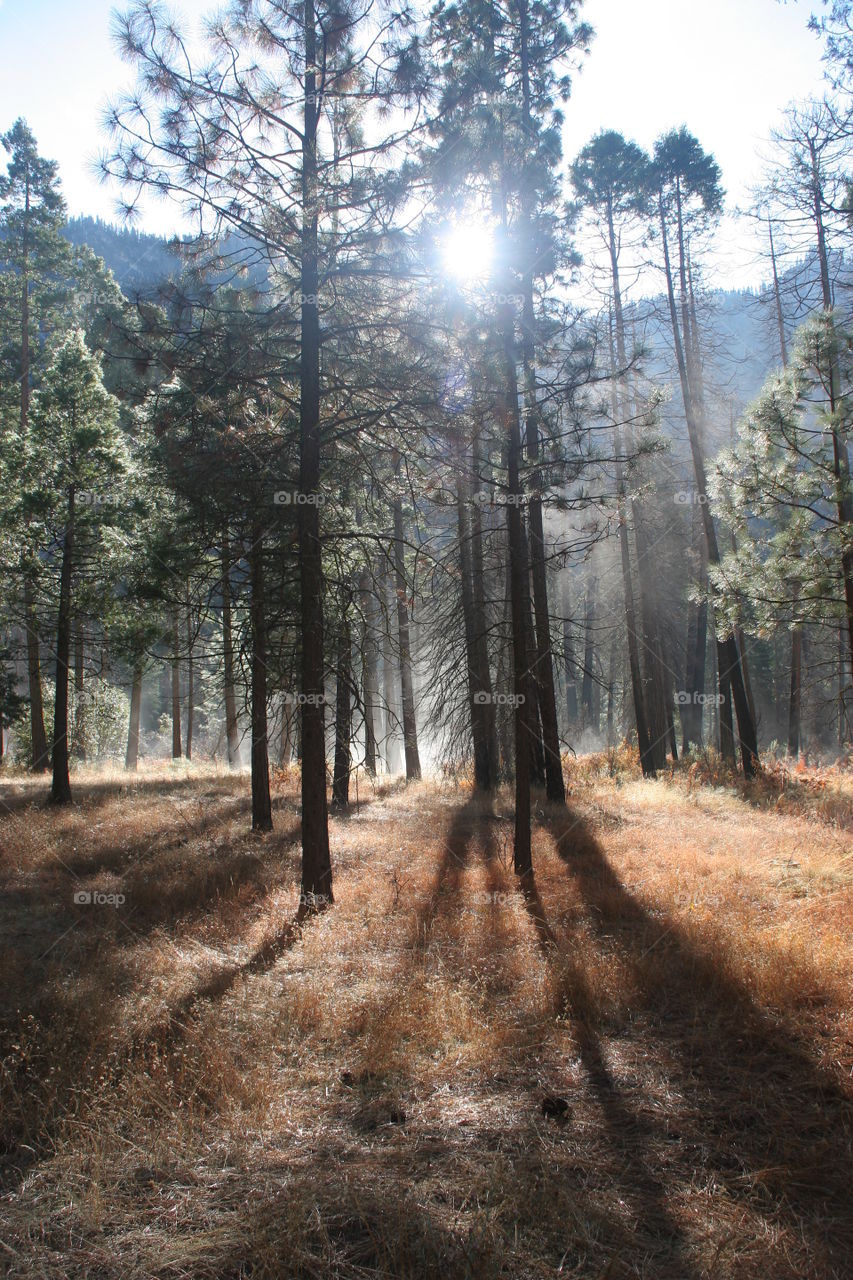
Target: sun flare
x=467, y=251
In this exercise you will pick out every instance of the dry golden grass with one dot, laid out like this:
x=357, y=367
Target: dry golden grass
x=638, y=1065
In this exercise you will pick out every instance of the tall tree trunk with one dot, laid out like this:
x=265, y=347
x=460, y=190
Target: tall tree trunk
x=410, y=731
x=176, y=689
x=841, y=460
x=369, y=672
x=261, y=802
x=78, y=739
x=479, y=694
x=795, y=703
x=569, y=664
x=231, y=733
x=611, y=688
x=481, y=635
x=41, y=755
x=390, y=684
x=503, y=675
x=61, y=786
x=587, y=700
x=728, y=657
x=190, y=681
x=727, y=737
x=316, y=857
x=519, y=602
x=131, y=759
x=285, y=752
x=777, y=294
x=651, y=711
x=843, y=727
x=343, y=719
x=640, y=720
x=534, y=721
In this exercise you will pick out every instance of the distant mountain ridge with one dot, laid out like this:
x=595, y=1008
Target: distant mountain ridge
x=139, y=261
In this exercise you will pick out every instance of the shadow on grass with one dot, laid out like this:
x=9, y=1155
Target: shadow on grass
x=776, y=1129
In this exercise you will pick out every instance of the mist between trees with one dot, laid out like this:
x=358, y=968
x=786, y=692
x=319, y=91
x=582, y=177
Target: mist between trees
x=346, y=480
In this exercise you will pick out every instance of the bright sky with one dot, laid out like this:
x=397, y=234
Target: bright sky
x=726, y=68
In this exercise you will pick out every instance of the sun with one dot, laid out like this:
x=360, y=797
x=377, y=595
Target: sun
x=467, y=250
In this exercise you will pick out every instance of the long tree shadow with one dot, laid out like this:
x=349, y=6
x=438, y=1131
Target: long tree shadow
x=777, y=1127
x=34, y=792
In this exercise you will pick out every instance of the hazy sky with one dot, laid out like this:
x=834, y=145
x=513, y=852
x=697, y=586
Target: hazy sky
x=724, y=67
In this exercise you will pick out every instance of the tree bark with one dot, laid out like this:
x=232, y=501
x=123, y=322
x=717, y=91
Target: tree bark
x=479, y=692
x=369, y=673
x=78, y=741
x=131, y=759
x=190, y=681
x=569, y=665
x=795, y=704
x=410, y=731
x=343, y=719
x=61, y=787
x=41, y=755
x=231, y=733
x=519, y=602
x=481, y=636
x=589, y=719
x=316, y=856
x=261, y=802
x=176, y=690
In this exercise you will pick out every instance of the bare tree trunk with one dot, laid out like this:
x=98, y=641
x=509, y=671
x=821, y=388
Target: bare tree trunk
x=777, y=294
x=285, y=754
x=176, y=690
x=131, y=759
x=391, y=686
x=728, y=657
x=369, y=673
x=78, y=742
x=519, y=604
x=61, y=787
x=587, y=700
x=261, y=801
x=41, y=756
x=343, y=719
x=410, y=731
x=643, y=741
x=795, y=704
x=481, y=641
x=569, y=664
x=316, y=856
x=190, y=680
x=231, y=734
x=479, y=695
x=611, y=687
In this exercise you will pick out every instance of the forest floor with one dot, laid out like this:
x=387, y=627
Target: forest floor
x=638, y=1067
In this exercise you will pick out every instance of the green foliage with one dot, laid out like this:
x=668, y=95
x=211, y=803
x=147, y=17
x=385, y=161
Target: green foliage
x=97, y=723
x=777, y=488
